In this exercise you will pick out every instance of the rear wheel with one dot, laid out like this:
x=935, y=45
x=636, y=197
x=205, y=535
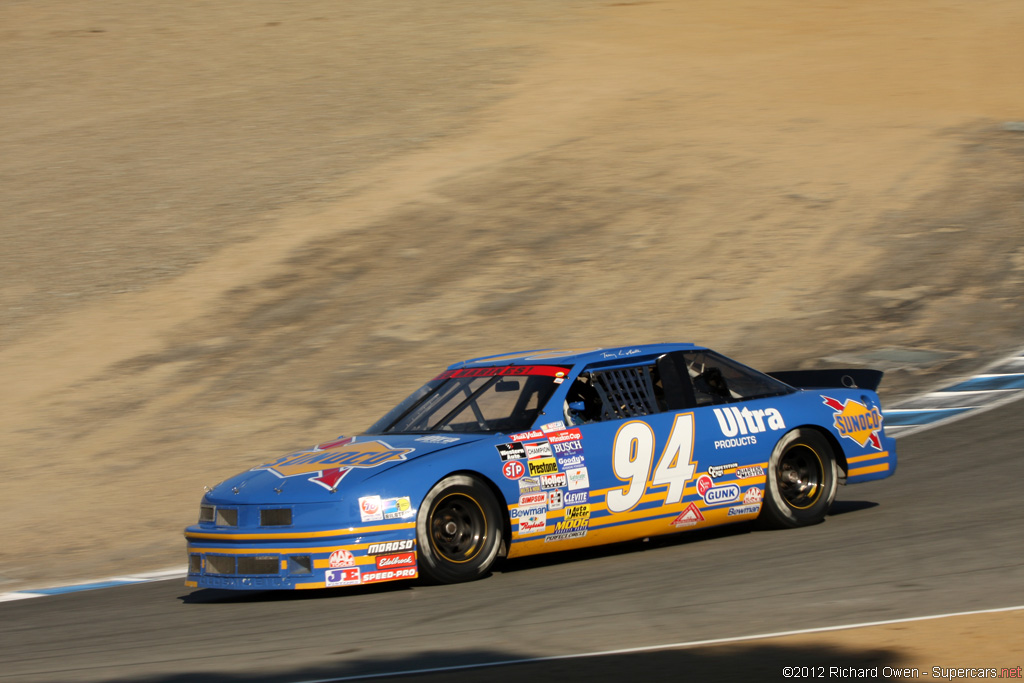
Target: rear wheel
x=802, y=480
x=458, y=530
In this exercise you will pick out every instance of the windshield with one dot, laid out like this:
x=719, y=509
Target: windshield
x=475, y=400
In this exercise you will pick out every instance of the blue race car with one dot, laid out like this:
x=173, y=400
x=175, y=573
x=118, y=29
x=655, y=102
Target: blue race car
x=539, y=451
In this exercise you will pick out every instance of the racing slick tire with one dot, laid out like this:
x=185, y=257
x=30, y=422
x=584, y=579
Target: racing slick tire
x=458, y=530
x=802, y=481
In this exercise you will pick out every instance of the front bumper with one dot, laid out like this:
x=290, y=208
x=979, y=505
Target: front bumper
x=300, y=559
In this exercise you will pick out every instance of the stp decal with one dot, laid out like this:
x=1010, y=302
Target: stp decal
x=857, y=422
x=331, y=466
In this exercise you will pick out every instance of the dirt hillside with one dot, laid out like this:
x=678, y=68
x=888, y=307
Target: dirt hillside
x=232, y=229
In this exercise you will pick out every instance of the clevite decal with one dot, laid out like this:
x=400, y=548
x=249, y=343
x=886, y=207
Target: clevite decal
x=855, y=421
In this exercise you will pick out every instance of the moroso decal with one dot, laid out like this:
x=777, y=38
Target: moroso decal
x=857, y=422
x=331, y=466
x=389, y=547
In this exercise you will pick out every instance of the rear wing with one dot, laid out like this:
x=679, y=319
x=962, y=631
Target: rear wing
x=830, y=379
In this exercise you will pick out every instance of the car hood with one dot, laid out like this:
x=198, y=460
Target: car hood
x=320, y=473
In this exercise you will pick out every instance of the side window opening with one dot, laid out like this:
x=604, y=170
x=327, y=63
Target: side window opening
x=615, y=394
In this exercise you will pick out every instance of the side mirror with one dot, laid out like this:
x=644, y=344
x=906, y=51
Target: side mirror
x=577, y=406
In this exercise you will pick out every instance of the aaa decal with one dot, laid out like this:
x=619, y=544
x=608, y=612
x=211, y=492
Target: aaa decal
x=857, y=422
x=331, y=466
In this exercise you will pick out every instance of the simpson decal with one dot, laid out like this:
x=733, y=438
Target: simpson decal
x=528, y=499
x=857, y=422
x=331, y=466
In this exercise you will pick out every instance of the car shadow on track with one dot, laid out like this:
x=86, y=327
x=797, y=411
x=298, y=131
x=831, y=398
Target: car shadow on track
x=741, y=662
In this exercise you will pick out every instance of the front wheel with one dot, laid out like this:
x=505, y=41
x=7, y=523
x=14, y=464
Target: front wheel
x=458, y=530
x=802, y=480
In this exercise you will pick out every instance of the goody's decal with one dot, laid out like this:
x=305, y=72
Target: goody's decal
x=857, y=422
x=331, y=465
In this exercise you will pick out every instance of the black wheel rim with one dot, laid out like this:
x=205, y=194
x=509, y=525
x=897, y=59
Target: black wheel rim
x=800, y=476
x=458, y=528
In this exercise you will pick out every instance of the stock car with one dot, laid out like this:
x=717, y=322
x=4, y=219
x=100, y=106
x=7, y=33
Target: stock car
x=540, y=451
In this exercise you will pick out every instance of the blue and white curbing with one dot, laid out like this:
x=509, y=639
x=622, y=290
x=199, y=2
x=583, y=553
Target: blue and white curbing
x=1001, y=382
x=160, y=575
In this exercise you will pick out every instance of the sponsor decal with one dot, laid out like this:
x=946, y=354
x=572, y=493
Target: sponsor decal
x=691, y=516
x=752, y=496
x=744, y=510
x=511, y=451
x=331, y=465
x=577, y=497
x=552, y=426
x=749, y=472
x=570, y=462
x=568, y=529
x=564, y=436
x=438, y=439
x=578, y=479
x=529, y=485
x=396, y=508
x=555, y=500
x=388, y=575
x=717, y=495
x=396, y=561
x=526, y=436
x=528, y=499
x=538, y=449
x=857, y=422
x=734, y=443
x=538, y=466
x=370, y=509
x=577, y=512
x=519, y=512
x=513, y=469
x=568, y=448
x=389, y=547
x=716, y=471
x=348, y=576
x=553, y=481
x=533, y=525
x=504, y=371
x=703, y=484
x=734, y=421
x=341, y=558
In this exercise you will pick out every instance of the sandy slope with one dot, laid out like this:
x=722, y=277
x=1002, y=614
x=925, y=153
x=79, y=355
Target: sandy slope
x=230, y=230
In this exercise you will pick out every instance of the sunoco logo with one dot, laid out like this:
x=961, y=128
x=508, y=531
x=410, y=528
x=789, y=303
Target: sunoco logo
x=857, y=422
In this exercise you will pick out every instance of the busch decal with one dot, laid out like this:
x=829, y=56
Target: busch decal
x=857, y=422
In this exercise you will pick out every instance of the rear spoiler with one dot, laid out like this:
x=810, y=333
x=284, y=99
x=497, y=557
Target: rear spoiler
x=830, y=379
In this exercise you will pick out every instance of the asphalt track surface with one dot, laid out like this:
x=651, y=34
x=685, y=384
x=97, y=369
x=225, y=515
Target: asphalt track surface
x=943, y=535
